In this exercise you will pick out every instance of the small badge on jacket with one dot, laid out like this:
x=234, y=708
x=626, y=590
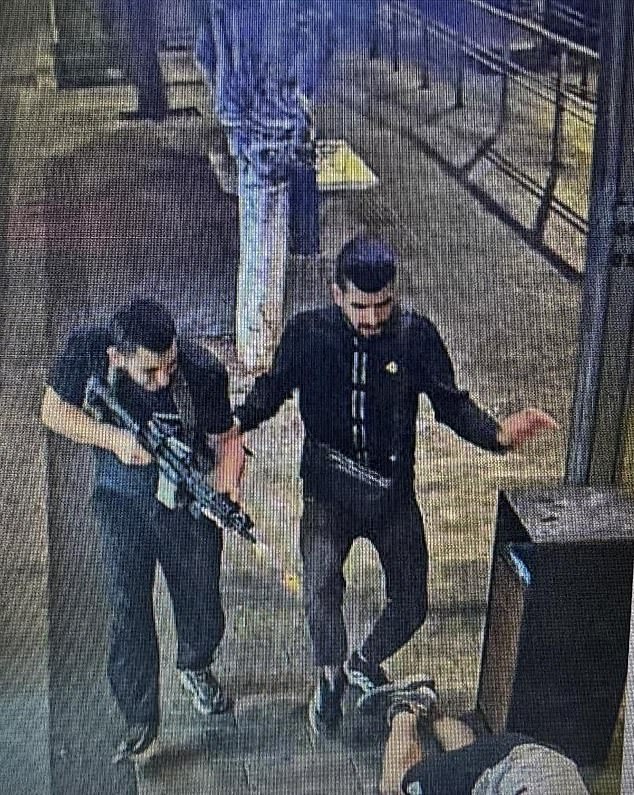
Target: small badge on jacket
x=391, y=368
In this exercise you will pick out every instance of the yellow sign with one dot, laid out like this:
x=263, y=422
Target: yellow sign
x=340, y=168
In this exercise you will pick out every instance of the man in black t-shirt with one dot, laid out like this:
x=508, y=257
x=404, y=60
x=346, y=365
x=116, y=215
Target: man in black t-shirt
x=359, y=367
x=150, y=372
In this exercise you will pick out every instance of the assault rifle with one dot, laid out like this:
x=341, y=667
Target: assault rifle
x=181, y=483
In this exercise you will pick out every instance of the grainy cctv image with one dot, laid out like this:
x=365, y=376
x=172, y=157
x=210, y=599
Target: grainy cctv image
x=317, y=432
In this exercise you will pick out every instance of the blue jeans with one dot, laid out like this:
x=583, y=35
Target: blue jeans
x=136, y=534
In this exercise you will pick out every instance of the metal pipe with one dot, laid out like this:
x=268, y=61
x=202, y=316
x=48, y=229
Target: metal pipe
x=616, y=47
x=560, y=109
x=460, y=80
x=533, y=27
x=576, y=106
x=424, y=82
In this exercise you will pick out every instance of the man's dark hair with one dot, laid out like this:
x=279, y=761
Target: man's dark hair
x=367, y=262
x=142, y=324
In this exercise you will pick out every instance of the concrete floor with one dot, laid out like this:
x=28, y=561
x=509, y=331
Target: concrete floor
x=100, y=210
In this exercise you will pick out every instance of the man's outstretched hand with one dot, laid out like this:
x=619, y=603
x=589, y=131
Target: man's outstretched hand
x=523, y=425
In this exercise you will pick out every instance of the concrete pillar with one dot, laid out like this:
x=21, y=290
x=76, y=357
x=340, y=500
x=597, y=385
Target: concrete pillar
x=263, y=212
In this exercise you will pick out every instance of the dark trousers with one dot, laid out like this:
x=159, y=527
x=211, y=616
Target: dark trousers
x=136, y=533
x=134, y=24
x=327, y=531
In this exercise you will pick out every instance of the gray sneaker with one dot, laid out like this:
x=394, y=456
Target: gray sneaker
x=363, y=674
x=379, y=699
x=138, y=739
x=205, y=692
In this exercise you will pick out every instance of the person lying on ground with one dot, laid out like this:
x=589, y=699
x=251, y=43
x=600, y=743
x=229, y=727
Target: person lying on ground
x=502, y=764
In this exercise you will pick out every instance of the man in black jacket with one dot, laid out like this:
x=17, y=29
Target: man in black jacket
x=359, y=367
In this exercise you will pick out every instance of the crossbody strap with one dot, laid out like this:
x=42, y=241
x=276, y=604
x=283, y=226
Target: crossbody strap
x=399, y=416
x=182, y=396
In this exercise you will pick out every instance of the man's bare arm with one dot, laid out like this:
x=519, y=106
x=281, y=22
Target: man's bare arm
x=230, y=458
x=75, y=424
x=402, y=750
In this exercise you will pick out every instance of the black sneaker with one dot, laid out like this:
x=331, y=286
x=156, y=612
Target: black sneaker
x=363, y=674
x=379, y=698
x=324, y=710
x=205, y=692
x=138, y=739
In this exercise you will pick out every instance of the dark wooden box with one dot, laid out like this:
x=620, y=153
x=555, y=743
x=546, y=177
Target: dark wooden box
x=556, y=638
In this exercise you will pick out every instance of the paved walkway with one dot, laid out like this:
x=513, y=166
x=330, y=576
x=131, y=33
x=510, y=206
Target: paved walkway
x=100, y=211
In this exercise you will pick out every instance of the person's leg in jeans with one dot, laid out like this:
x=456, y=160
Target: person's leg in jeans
x=129, y=557
x=326, y=535
x=325, y=539
x=399, y=539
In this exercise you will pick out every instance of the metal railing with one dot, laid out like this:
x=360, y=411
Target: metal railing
x=556, y=88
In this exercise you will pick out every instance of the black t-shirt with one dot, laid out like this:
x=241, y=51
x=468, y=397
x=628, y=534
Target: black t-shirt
x=85, y=354
x=456, y=772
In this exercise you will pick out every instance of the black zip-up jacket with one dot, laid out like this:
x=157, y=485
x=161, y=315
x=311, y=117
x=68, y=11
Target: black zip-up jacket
x=360, y=395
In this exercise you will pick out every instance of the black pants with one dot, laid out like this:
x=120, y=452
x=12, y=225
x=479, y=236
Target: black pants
x=134, y=25
x=137, y=533
x=327, y=531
